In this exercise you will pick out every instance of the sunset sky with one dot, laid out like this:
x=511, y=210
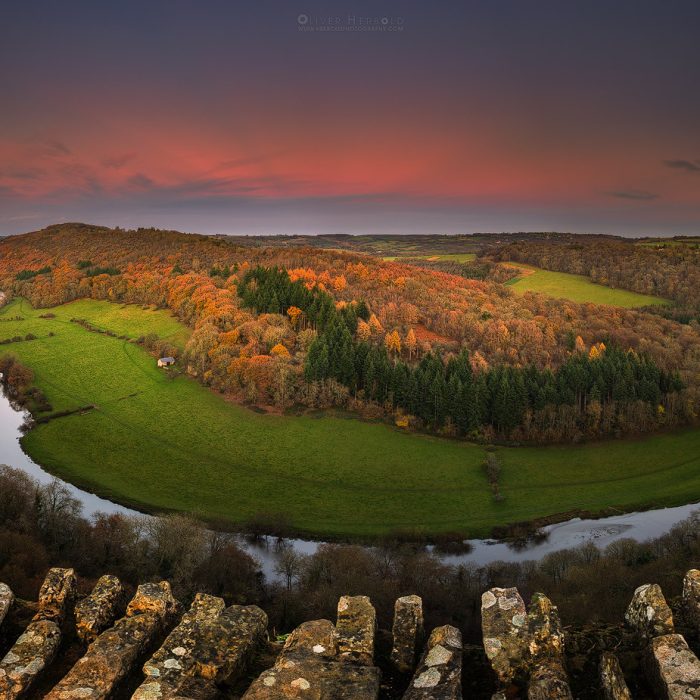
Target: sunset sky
x=297, y=116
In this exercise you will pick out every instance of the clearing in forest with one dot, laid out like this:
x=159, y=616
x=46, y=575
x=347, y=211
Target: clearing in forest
x=579, y=288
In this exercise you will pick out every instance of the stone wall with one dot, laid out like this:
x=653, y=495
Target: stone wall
x=149, y=648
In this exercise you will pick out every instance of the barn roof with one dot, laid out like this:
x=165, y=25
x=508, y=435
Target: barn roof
x=167, y=359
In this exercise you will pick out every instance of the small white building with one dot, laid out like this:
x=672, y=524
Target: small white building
x=166, y=361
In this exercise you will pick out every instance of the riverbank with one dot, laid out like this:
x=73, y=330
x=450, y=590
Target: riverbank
x=161, y=443
x=480, y=552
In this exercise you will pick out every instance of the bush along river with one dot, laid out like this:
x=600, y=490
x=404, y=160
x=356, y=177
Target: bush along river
x=572, y=533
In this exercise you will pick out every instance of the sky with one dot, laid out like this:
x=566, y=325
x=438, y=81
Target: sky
x=302, y=116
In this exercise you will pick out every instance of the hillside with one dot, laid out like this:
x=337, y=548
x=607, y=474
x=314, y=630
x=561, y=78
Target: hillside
x=400, y=339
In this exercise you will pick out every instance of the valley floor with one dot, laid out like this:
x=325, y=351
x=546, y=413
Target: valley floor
x=163, y=442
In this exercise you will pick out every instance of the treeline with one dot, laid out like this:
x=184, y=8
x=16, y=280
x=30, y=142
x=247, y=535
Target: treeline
x=16, y=380
x=480, y=269
x=671, y=272
x=450, y=394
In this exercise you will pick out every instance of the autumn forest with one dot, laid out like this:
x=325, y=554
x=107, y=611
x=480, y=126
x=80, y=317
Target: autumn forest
x=439, y=346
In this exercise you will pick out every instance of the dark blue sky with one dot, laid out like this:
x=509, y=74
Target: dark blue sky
x=263, y=117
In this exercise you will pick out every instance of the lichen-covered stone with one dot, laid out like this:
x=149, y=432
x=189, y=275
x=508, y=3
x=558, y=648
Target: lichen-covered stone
x=648, y=613
x=56, y=594
x=314, y=639
x=6, y=599
x=439, y=674
x=548, y=681
x=548, y=677
x=37, y=646
x=691, y=597
x=115, y=653
x=309, y=666
x=674, y=668
x=356, y=627
x=212, y=644
x=546, y=639
x=407, y=632
x=99, y=610
x=505, y=631
x=31, y=653
x=612, y=680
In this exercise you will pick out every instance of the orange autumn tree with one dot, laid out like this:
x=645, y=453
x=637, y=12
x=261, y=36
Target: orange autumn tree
x=294, y=314
x=279, y=350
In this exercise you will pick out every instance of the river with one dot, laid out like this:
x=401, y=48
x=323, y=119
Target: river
x=640, y=526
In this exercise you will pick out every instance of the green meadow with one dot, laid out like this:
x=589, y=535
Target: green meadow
x=160, y=441
x=453, y=257
x=579, y=288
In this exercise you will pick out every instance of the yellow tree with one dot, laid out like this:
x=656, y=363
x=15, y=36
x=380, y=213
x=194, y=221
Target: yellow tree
x=375, y=325
x=392, y=342
x=279, y=350
x=410, y=342
x=364, y=332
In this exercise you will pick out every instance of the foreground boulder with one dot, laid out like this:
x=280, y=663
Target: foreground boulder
x=691, y=597
x=548, y=677
x=114, y=654
x=439, y=674
x=545, y=635
x=211, y=645
x=7, y=597
x=310, y=666
x=648, y=613
x=612, y=680
x=37, y=646
x=522, y=646
x=356, y=628
x=407, y=633
x=99, y=610
x=674, y=669
x=548, y=681
x=504, y=627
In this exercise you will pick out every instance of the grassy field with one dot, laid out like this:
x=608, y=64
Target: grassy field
x=454, y=257
x=166, y=443
x=578, y=288
x=666, y=243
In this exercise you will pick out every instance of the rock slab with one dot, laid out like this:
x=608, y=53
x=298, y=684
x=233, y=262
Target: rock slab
x=674, y=668
x=7, y=597
x=648, y=613
x=549, y=681
x=612, y=680
x=37, y=646
x=114, y=654
x=310, y=666
x=356, y=627
x=439, y=674
x=211, y=645
x=99, y=610
x=505, y=631
x=407, y=633
x=691, y=597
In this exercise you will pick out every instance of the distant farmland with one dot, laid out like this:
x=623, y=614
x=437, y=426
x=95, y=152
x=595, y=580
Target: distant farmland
x=579, y=288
